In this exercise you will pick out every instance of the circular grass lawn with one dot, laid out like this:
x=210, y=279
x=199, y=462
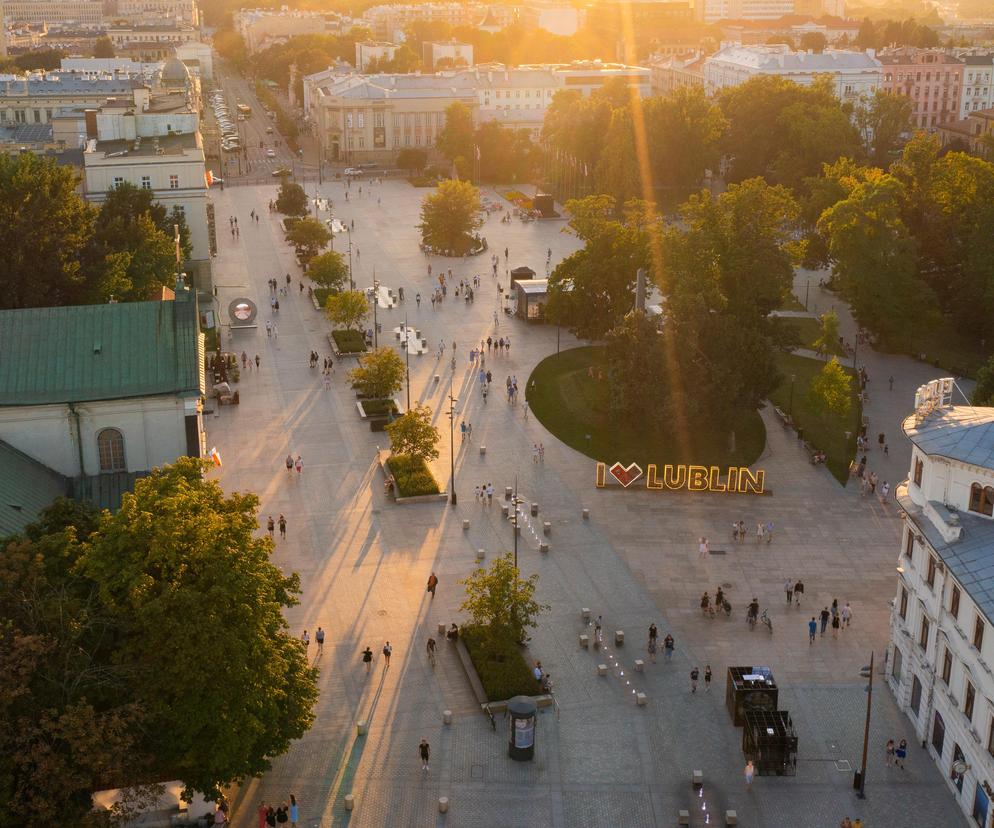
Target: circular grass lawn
x=574, y=406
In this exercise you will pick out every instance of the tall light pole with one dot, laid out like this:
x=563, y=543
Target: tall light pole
x=407, y=359
x=376, y=287
x=861, y=793
x=351, y=280
x=452, y=445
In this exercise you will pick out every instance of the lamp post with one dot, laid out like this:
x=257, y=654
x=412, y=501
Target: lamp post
x=351, y=280
x=452, y=445
x=514, y=521
x=407, y=359
x=868, y=672
x=790, y=408
x=376, y=287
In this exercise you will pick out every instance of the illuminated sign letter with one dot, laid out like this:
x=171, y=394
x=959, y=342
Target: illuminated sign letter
x=714, y=480
x=697, y=479
x=650, y=478
x=731, y=483
x=677, y=482
x=749, y=482
x=601, y=475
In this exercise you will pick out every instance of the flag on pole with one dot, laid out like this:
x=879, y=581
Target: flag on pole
x=216, y=456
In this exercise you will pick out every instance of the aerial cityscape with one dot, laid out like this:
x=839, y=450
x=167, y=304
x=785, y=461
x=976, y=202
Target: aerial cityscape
x=544, y=414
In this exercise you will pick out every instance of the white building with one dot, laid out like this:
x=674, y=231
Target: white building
x=557, y=18
x=261, y=28
x=367, y=51
x=143, y=11
x=978, y=84
x=451, y=54
x=941, y=655
x=853, y=73
x=715, y=10
x=93, y=396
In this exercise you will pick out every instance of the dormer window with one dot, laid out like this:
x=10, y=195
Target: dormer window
x=982, y=499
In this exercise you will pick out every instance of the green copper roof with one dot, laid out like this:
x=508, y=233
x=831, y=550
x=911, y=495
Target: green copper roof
x=100, y=352
x=26, y=487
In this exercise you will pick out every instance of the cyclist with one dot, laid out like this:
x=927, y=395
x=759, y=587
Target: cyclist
x=431, y=651
x=753, y=611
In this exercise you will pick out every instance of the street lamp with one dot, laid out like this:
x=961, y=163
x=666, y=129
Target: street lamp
x=790, y=408
x=376, y=287
x=407, y=359
x=860, y=783
x=351, y=280
x=452, y=444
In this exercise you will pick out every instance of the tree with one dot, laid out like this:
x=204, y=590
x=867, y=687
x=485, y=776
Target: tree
x=829, y=335
x=178, y=545
x=449, y=218
x=380, y=374
x=882, y=120
x=456, y=137
x=411, y=159
x=347, y=309
x=637, y=371
x=983, y=394
x=328, y=270
x=831, y=389
x=414, y=435
x=813, y=41
x=500, y=601
x=103, y=48
x=308, y=236
x=291, y=199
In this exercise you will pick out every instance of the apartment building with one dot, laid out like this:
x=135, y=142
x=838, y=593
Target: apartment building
x=446, y=54
x=942, y=641
x=81, y=13
x=715, y=10
x=261, y=28
x=367, y=51
x=152, y=41
x=184, y=12
x=35, y=98
x=671, y=72
x=932, y=80
x=978, y=83
x=389, y=22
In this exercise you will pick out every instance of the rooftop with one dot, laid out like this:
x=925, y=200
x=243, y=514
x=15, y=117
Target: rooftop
x=161, y=145
x=99, y=352
x=958, y=432
x=773, y=58
x=26, y=487
x=69, y=85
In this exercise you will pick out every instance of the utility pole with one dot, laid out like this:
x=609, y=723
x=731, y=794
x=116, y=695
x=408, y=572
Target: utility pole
x=452, y=445
x=861, y=793
x=376, y=287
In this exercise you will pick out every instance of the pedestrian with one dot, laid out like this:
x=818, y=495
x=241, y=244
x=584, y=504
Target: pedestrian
x=432, y=583
x=270, y=526
x=653, y=632
x=651, y=647
x=750, y=772
x=257, y=361
x=901, y=753
x=541, y=453
x=769, y=532
x=294, y=811
x=283, y=814
x=306, y=639
x=707, y=678
x=825, y=615
x=835, y=608
x=271, y=817
x=846, y=614
x=798, y=592
x=424, y=751
x=890, y=382
x=476, y=492
x=597, y=631
x=759, y=532
x=668, y=647
x=244, y=360
x=261, y=813
x=490, y=494
x=534, y=452
x=269, y=328
x=367, y=658
x=884, y=491
x=387, y=650
x=694, y=673
x=319, y=637
x=836, y=624
x=289, y=463
x=282, y=523
x=702, y=547
x=276, y=331
x=812, y=629
x=299, y=465
x=788, y=587
x=889, y=752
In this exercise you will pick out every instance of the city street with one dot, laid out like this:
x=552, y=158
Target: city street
x=364, y=560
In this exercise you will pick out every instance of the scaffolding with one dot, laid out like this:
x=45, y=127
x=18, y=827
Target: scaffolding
x=769, y=740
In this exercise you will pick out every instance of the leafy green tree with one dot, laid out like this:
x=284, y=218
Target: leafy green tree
x=347, y=309
x=456, y=137
x=637, y=371
x=500, y=601
x=308, y=237
x=829, y=335
x=380, y=374
x=103, y=48
x=983, y=394
x=291, y=199
x=414, y=435
x=831, y=389
x=328, y=270
x=882, y=120
x=576, y=125
x=834, y=184
x=450, y=217
x=412, y=159
x=39, y=59
x=815, y=41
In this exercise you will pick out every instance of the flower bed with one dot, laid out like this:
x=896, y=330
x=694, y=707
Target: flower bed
x=412, y=476
x=349, y=342
x=378, y=408
x=519, y=199
x=500, y=665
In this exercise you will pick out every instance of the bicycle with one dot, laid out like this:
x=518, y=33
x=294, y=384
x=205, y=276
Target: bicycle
x=767, y=621
x=490, y=715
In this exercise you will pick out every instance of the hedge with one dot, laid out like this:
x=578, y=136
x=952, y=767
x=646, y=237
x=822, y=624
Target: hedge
x=412, y=475
x=322, y=294
x=500, y=665
x=379, y=408
x=349, y=342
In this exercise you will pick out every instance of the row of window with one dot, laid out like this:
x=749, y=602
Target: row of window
x=26, y=116
x=146, y=182
x=357, y=120
x=985, y=78
x=939, y=76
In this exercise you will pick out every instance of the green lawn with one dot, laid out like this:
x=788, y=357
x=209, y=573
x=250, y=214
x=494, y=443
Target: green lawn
x=822, y=429
x=349, y=342
x=945, y=346
x=574, y=407
x=808, y=331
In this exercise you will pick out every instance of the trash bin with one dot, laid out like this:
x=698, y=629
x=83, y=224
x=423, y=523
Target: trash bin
x=400, y=293
x=521, y=736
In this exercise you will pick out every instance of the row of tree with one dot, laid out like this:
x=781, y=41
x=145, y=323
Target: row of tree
x=61, y=250
x=490, y=152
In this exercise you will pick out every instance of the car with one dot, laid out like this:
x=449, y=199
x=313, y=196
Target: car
x=270, y=153
x=352, y=172
x=230, y=147
x=270, y=130
x=367, y=165
x=281, y=172
x=335, y=225
x=242, y=117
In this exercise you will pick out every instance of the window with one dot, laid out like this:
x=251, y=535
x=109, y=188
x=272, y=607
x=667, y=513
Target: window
x=919, y=470
x=909, y=545
x=896, y=665
x=923, y=634
x=146, y=182
x=957, y=757
x=930, y=571
x=903, y=606
x=969, y=698
x=916, y=694
x=938, y=734
x=174, y=182
x=110, y=450
x=978, y=633
x=947, y=666
x=118, y=181
x=982, y=499
x=980, y=805
x=954, y=602
x=990, y=737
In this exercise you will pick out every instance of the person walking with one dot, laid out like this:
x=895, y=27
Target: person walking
x=283, y=814
x=282, y=523
x=424, y=751
x=430, y=647
x=261, y=814
x=750, y=772
x=846, y=614
x=901, y=753
x=788, y=587
x=694, y=673
x=432, y=583
x=825, y=615
x=257, y=361
x=668, y=647
x=812, y=629
x=653, y=632
x=270, y=526
x=307, y=641
x=702, y=547
x=769, y=532
x=299, y=465
x=367, y=658
x=490, y=494
x=289, y=463
x=889, y=753
x=294, y=811
x=651, y=647
x=798, y=592
x=387, y=651
x=836, y=624
x=707, y=678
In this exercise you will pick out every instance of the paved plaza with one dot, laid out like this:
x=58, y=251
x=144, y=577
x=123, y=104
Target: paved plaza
x=364, y=560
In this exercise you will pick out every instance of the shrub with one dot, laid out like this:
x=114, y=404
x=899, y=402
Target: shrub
x=412, y=476
x=349, y=342
x=375, y=408
x=500, y=665
x=322, y=295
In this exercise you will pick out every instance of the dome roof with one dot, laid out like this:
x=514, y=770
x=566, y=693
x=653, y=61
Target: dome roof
x=174, y=72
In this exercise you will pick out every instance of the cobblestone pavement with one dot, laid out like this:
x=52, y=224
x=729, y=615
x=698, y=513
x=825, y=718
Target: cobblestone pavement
x=364, y=561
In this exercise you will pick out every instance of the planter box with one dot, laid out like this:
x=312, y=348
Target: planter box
x=361, y=407
x=335, y=350
x=441, y=497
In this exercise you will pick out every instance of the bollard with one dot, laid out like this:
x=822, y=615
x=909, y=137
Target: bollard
x=441, y=629
x=480, y=554
x=534, y=510
x=361, y=727
x=507, y=493
x=504, y=510
x=602, y=669
x=683, y=818
x=585, y=612
x=547, y=528
x=584, y=641
x=443, y=804
x=349, y=802
x=619, y=638
x=465, y=525
x=586, y=514
x=543, y=547
x=640, y=699
x=639, y=665
x=437, y=378
x=698, y=778
x=483, y=450
x=731, y=817
x=447, y=717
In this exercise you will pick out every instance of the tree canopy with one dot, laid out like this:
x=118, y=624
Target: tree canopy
x=347, y=309
x=414, y=434
x=328, y=270
x=308, y=237
x=500, y=601
x=450, y=217
x=380, y=373
x=291, y=200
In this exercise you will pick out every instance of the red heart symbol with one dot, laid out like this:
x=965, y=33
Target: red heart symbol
x=626, y=475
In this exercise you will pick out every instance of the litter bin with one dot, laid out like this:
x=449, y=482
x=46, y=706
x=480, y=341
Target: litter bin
x=400, y=293
x=521, y=737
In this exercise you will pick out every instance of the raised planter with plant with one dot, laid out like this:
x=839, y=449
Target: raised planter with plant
x=346, y=311
x=348, y=343
x=377, y=408
x=411, y=475
x=413, y=442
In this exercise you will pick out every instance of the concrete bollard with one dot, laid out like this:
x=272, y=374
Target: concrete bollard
x=534, y=510
x=361, y=727
x=640, y=699
x=543, y=547
x=465, y=525
x=480, y=554
x=507, y=492
x=483, y=450
x=585, y=612
x=602, y=669
x=505, y=510
x=447, y=717
x=698, y=778
x=441, y=629
x=639, y=665
x=443, y=804
x=547, y=528
x=683, y=818
x=619, y=638
x=349, y=802
x=437, y=378
x=584, y=641
x=586, y=514
x=731, y=817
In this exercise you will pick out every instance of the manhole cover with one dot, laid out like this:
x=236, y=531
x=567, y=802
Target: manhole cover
x=718, y=552
x=726, y=585
x=843, y=766
x=476, y=772
x=381, y=612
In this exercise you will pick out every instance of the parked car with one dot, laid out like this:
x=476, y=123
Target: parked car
x=353, y=172
x=270, y=130
x=281, y=172
x=270, y=153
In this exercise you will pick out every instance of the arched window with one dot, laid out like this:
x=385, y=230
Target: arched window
x=982, y=499
x=110, y=449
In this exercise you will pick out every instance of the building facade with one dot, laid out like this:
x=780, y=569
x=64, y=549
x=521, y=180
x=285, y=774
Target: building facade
x=83, y=13
x=389, y=22
x=942, y=641
x=151, y=42
x=672, y=72
x=35, y=99
x=144, y=11
x=260, y=28
x=446, y=54
x=932, y=80
x=367, y=51
x=978, y=84
x=715, y=10
x=853, y=74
